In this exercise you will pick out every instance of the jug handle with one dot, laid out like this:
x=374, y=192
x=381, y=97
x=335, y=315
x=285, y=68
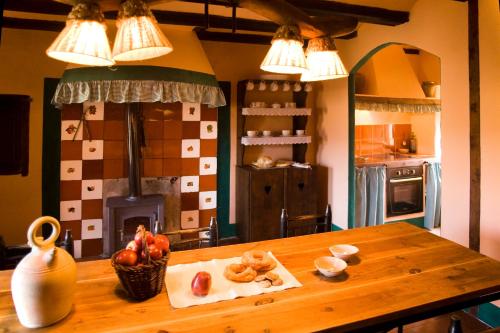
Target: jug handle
x=49, y=242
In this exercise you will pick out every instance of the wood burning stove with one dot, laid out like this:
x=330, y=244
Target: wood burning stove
x=125, y=214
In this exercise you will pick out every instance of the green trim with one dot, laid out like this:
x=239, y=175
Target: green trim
x=223, y=163
x=419, y=222
x=336, y=227
x=489, y=313
x=351, y=202
x=138, y=73
x=51, y=152
x=351, y=199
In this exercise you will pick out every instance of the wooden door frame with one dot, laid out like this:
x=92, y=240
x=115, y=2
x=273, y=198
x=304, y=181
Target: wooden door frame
x=474, y=128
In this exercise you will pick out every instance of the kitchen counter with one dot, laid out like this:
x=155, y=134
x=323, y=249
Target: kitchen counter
x=393, y=160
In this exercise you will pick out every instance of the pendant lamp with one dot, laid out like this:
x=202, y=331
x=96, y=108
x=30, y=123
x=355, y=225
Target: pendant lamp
x=286, y=55
x=83, y=40
x=323, y=61
x=138, y=37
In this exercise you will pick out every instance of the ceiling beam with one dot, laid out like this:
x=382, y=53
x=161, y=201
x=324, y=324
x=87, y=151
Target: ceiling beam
x=216, y=36
x=164, y=17
x=2, y=4
x=40, y=6
x=365, y=14
x=216, y=21
x=30, y=24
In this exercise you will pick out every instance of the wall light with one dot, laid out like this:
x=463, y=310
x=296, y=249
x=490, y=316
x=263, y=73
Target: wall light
x=286, y=55
x=138, y=37
x=323, y=61
x=83, y=40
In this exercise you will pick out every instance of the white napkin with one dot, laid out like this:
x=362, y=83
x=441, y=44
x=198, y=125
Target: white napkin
x=178, y=282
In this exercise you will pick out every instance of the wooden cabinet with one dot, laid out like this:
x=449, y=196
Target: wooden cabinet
x=290, y=118
x=301, y=192
x=262, y=193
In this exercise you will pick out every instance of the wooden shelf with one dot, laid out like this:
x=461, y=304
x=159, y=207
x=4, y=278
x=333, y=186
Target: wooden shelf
x=276, y=112
x=275, y=140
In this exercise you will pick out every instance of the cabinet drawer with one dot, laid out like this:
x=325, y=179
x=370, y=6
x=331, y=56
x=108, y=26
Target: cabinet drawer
x=266, y=202
x=301, y=191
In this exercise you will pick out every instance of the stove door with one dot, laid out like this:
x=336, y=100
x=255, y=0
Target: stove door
x=404, y=196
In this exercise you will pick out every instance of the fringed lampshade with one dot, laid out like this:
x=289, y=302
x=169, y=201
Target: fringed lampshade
x=286, y=55
x=138, y=37
x=83, y=40
x=323, y=61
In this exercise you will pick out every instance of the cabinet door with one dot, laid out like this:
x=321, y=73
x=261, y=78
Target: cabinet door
x=266, y=203
x=300, y=192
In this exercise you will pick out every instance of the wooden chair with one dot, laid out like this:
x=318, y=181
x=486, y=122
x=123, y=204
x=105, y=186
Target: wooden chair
x=10, y=256
x=206, y=237
x=305, y=224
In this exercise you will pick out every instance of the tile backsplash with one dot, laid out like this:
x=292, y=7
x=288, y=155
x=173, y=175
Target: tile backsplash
x=380, y=139
x=180, y=141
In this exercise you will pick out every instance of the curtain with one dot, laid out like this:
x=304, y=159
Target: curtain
x=432, y=217
x=370, y=184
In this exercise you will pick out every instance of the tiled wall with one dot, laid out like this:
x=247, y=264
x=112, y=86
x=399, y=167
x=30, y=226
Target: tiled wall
x=380, y=139
x=181, y=141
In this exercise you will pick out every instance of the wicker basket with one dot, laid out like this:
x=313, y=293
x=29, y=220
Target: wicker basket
x=145, y=281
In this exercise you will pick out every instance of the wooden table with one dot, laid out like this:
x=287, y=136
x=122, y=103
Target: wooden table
x=401, y=274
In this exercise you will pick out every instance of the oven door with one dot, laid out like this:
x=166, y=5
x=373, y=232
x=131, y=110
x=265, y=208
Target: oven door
x=404, y=196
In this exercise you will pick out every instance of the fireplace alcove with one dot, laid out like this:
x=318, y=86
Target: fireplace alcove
x=118, y=171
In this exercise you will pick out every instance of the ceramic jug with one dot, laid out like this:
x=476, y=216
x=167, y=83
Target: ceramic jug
x=44, y=282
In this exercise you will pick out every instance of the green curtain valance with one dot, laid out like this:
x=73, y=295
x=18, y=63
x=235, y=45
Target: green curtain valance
x=131, y=84
x=397, y=104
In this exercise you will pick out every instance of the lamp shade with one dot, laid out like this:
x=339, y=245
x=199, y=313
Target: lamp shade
x=138, y=37
x=286, y=55
x=323, y=61
x=83, y=40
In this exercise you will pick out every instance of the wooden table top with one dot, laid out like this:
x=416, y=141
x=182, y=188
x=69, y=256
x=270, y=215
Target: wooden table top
x=400, y=272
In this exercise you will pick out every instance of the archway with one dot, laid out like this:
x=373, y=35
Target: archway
x=394, y=105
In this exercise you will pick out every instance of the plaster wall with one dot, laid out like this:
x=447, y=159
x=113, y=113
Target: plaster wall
x=441, y=29
x=489, y=49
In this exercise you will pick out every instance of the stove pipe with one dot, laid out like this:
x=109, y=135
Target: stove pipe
x=134, y=169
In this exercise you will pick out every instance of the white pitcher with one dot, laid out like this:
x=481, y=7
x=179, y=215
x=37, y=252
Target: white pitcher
x=44, y=282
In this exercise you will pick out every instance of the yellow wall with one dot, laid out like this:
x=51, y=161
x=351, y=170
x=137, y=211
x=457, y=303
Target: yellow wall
x=446, y=37
x=23, y=67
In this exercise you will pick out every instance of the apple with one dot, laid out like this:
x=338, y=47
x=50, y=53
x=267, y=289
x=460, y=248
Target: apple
x=138, y=240
x=126, y=258
x=200, y=286
x=155, y=251
x=150, y=239
x=142, y=233
x=162, y=242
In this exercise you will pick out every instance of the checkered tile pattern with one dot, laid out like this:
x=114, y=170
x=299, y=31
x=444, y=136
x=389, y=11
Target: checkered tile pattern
x=181, y=140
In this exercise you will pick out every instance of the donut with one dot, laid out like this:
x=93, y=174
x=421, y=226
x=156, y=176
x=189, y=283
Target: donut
x=239, y=273
x=258, y=260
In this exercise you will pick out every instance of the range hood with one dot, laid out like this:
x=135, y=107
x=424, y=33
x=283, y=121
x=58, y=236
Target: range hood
x=390, y=81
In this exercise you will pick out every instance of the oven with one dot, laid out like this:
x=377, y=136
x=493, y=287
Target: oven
x=404, y=192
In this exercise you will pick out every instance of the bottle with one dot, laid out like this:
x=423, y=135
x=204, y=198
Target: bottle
x=67, y=243
x=455, y=325
x=413, y=143
x=44, y=282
